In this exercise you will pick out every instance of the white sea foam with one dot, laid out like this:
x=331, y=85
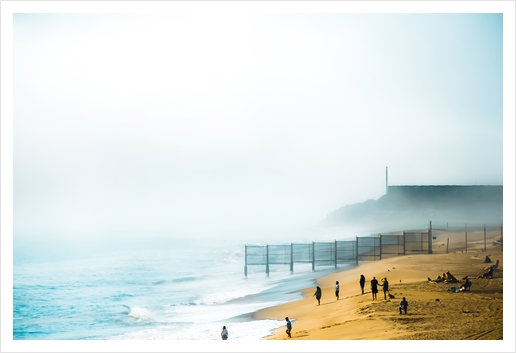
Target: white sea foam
x=141, y=314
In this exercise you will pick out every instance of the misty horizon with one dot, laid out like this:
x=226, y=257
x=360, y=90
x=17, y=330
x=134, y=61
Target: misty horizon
x=184, y=126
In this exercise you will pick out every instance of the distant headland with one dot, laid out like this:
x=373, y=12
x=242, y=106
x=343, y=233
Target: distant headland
x=410, y=204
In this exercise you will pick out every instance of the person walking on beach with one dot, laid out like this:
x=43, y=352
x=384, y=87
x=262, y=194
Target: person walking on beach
x=403, y=305
x=224, y=333
x=337, y=288
x=362, y=283
x=289, y=327
x=318, y=295
x=385, y=286
x=374, y=287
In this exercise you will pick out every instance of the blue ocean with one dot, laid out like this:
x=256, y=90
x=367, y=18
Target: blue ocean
x=170, y=289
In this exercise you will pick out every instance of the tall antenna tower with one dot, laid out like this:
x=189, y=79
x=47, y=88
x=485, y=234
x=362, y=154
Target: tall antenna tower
x=386, y=180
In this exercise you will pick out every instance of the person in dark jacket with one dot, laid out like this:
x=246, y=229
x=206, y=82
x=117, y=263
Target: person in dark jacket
x=362, y=283
x=318, y=295
x=374, y=287
x=289, y=327
x=385, y=287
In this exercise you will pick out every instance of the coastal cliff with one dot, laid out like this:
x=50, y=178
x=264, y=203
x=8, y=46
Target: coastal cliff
x=419, y=204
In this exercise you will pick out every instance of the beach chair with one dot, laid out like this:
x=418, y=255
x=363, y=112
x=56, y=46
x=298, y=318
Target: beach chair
x=495, y=266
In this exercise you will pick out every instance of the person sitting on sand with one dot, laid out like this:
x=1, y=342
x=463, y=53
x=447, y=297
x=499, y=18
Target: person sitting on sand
x=439, y=279
x=487, y=274
x=466, y=285
x=403, y=305
x=318, y=295
x=450, y=278
x=491, y=267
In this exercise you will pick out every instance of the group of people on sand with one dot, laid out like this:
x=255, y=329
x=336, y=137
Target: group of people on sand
x=318, y=292
x=446, y=278
x=374, y=288
x=375, y=285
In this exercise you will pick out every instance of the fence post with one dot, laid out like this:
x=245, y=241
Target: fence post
x=485, y=237
x=404, y=246
x=447, y=244
x=245, y=266
x=291, y=257
x=313, y=256
x=380, y=236
x=430, y=250
x=267, y=260
x=335, y=253
x=466, y=241
x=356, y=249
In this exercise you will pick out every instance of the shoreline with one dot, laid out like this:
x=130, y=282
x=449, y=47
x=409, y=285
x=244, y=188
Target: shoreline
x=433, y=310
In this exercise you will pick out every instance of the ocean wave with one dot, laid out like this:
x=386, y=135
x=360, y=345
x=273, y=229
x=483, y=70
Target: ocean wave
x=120, y=297
x=216, y=298
x=186, y=279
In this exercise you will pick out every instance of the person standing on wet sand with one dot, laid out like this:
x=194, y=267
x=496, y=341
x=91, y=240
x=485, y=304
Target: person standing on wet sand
x=374, y=287
x=289, y=327
x=362, y=283
x=337, y=289
x=224, y=333
x=318, y=295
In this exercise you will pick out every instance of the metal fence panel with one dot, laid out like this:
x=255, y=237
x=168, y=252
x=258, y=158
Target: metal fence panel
x=279, y=254
x=324, y=254
x=392, y=245
x=346, y=251
x=302, y=253
x=256, y=255
x=368, y=248
x=416, y=242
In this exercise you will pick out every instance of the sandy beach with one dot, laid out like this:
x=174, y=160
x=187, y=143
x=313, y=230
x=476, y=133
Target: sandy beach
x=434, y=311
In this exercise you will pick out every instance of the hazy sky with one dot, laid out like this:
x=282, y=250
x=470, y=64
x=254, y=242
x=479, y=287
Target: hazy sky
x=244, y=124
